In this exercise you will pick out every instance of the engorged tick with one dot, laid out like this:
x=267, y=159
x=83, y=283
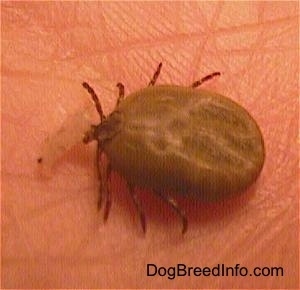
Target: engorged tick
x=169, y=138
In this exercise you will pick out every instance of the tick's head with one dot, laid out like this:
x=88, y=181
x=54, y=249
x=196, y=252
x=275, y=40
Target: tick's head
x=90, y=135
x=105, y=131
x=108, y=127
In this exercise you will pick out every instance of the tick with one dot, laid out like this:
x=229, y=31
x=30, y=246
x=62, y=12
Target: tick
x=176, y=139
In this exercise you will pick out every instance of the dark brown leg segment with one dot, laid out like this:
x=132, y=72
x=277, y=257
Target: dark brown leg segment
x=155, y=76
x=169, y=200
x=121, y=93
x=98, y=156
x=108, y=193
x=104, y=182
x=95, y=99
x=206, y=78
x=138, y=207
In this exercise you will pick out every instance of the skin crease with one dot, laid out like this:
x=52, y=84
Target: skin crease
x=52, y=234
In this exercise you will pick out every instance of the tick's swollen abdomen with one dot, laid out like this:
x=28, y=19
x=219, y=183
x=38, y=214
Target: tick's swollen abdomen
x=188, y=141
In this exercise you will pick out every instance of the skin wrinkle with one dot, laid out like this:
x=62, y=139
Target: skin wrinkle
x=52, y=235
x=210, y=28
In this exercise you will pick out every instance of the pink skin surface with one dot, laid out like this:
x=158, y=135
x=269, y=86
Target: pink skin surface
x=52, y=234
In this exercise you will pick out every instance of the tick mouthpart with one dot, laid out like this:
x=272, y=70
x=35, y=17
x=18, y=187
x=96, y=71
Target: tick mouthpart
x=90, y=135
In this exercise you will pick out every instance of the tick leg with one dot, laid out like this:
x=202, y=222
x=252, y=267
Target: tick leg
x=95, y=99
x=98, y=156
x=108, y=193
x=155, y=76
x=169, y=200
x=138, y=207
x=206, y=78
x=121, y=93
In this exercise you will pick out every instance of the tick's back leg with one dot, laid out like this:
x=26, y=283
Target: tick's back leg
x=155, y=76
x=172, y=202
x=206, y=78
x=138, y=207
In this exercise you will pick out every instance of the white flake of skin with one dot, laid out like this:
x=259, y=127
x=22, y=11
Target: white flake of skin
x=69, y=134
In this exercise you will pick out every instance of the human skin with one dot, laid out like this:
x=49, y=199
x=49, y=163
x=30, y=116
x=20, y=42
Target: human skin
x=52, y=234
